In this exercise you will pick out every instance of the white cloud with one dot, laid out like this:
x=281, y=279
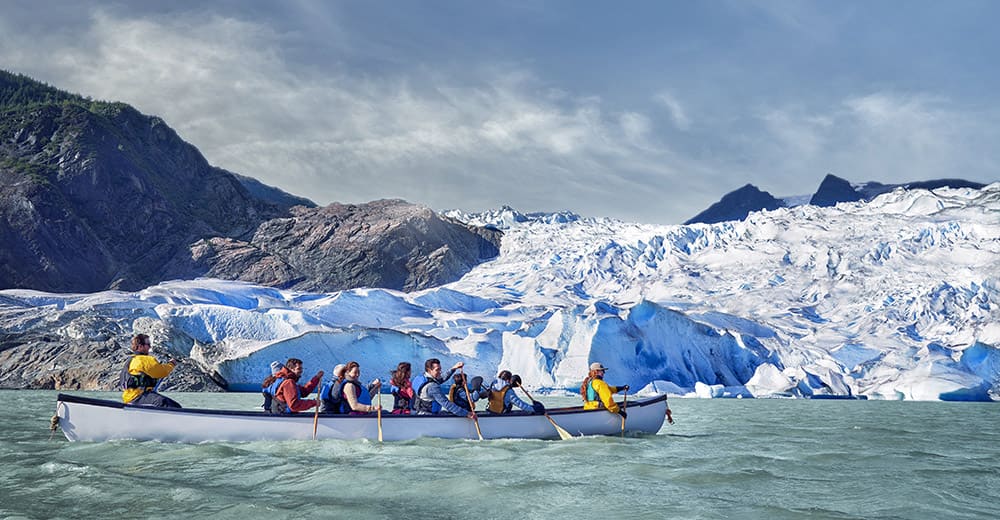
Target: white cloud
x=675, y=109
x=880, y=136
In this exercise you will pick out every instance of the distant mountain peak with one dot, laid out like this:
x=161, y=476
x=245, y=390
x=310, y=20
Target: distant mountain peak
x=736, y=205
x=832, y=190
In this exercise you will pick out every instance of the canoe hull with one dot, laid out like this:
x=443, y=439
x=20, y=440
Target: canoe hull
x=87, y=419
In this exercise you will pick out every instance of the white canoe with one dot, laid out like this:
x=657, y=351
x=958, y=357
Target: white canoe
x=87, y=419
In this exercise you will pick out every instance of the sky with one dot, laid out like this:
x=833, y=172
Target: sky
x=643, y=111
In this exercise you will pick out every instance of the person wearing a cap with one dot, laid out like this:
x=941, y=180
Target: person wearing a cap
x=597, y=394
x=265, y=386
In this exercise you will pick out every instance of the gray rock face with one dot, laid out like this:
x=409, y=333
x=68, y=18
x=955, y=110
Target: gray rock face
x=97, y=196
x=59, y=362
x=90, y=201
x=386, y=243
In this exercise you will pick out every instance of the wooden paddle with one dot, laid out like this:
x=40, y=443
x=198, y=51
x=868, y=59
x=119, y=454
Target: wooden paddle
x=319, y=387
x=624, y=406
x=472, y=407
x=379, y=412
x=563, y=434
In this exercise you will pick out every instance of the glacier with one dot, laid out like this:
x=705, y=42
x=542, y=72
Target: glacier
x=897, y=298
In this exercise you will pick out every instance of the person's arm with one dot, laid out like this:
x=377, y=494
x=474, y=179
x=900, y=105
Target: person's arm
x=511, y=397
x=311, y=385
x=350, y=393
x=435, y=393
x=605, y=395
x=290, y=396
x=153, y=368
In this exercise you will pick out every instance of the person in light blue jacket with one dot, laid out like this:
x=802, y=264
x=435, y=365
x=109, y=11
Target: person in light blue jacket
x=430, y=398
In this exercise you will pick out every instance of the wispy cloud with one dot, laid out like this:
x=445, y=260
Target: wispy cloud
x=885, y=136
x=673, y=106
x=337, y=105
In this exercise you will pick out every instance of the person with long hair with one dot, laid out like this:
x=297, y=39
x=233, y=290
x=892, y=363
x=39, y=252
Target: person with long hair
x=598, y=394
x=401, y=389
x=357, y=399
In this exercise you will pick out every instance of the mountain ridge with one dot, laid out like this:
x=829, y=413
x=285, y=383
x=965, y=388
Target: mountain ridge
x=738, y=204
x=96, y=195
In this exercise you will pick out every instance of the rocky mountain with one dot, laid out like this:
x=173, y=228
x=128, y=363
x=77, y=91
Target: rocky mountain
x=386, y=243
x=95, y=195
x=736, y=205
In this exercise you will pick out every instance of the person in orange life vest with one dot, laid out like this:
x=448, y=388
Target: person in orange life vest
x=289, y=392
x=596, y=393
x=355, y=397
x=502, y=397
x=141, y=374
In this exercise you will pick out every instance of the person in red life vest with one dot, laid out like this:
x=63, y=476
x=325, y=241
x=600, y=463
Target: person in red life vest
x=141, y=375
x=401, y=389
x=357, y=399
x=288, y=393
x=597, y=394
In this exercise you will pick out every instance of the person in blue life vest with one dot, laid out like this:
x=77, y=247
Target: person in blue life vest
x=288, y=393
x=357, y=399
x=598, y=394
x=331, y=393
x=457, y=395
x=502, y=398
x=265, y=386
x=141, y=374
x=430, y=398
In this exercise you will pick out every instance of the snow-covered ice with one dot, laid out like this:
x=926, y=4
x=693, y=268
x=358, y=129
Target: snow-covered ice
x=898, y=298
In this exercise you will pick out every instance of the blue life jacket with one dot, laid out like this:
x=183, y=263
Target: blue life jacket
x=278, y=407
x=359, y=391
x=416, y=384
x=331, y=396
x=425, y=406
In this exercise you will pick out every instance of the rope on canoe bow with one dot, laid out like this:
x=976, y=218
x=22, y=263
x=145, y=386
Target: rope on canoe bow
x=54, y=422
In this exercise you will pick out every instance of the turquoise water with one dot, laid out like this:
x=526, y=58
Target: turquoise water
x=723, y=459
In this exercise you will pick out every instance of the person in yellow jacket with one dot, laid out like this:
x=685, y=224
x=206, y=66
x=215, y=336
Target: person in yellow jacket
x=598, y=394
x=141, y=373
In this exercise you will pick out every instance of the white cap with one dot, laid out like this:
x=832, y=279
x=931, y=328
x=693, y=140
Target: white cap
x=338, y=371
x=275, y=367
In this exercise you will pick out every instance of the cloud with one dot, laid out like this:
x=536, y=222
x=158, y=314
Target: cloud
x=337, y=106
x=884, y=136
x=675, y=109
x=499, y=136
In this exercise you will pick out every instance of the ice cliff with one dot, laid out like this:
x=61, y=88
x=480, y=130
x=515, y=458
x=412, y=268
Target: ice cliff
x=897, y=298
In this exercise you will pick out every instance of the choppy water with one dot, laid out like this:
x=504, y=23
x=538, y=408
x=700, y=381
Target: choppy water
x=723, y=459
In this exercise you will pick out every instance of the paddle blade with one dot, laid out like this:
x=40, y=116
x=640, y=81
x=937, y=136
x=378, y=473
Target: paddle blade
x=563, y=434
